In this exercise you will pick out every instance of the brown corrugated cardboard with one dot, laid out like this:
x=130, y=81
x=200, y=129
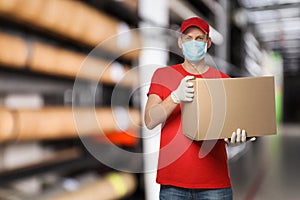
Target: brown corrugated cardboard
x=220, y=106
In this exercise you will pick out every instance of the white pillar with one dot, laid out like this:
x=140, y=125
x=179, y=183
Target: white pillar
x=222, y=23
x=154, y=13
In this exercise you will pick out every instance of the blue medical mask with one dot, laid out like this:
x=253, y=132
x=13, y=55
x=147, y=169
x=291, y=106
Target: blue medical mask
x=194, y=50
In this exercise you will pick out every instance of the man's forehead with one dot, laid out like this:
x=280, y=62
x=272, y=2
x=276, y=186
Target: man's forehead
x=194, y=31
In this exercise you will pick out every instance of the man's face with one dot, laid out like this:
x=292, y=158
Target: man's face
x=194, y=33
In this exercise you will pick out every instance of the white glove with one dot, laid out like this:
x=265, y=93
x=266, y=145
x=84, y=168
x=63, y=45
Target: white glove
x=238, y=137
x=184, y=92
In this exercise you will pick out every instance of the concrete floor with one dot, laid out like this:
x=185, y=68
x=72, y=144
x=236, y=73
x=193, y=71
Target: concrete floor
x=269, y=168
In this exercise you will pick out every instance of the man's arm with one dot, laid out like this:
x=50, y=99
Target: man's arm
x=157, y=111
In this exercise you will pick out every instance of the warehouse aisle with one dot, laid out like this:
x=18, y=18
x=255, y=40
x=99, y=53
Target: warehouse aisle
x=269, y=167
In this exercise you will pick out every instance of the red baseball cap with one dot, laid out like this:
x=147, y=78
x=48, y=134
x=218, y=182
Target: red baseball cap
x=197, y=22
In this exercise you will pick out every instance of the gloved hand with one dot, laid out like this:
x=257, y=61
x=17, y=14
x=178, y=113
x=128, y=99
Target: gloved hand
x=184, y=92
x=238, y=137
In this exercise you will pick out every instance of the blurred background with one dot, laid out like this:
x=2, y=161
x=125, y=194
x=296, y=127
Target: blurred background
x=44, y=46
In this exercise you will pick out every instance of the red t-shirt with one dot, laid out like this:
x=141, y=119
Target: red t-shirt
x=183, y=162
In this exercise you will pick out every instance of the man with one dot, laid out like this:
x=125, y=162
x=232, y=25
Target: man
x=182, y=173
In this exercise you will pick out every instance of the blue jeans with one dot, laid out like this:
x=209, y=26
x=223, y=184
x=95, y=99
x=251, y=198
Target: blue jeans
x=176, y=193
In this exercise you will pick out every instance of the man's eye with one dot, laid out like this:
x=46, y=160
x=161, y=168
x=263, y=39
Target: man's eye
x=188, y=38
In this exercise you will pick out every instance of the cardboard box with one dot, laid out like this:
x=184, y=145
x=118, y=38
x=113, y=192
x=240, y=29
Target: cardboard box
x=220, y=106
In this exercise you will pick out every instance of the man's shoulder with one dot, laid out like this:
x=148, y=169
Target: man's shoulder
x=169, y=74
x=218, y=72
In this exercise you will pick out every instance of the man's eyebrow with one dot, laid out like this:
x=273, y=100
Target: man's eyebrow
x=196, y=36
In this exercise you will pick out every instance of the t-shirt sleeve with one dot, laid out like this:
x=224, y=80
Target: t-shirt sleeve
x=156, y=86
x=220, y=74
x=225, y=75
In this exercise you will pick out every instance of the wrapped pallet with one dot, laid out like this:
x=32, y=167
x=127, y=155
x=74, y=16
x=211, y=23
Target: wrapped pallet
x=16, y=52
x=61, y=122
x=76, y=21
